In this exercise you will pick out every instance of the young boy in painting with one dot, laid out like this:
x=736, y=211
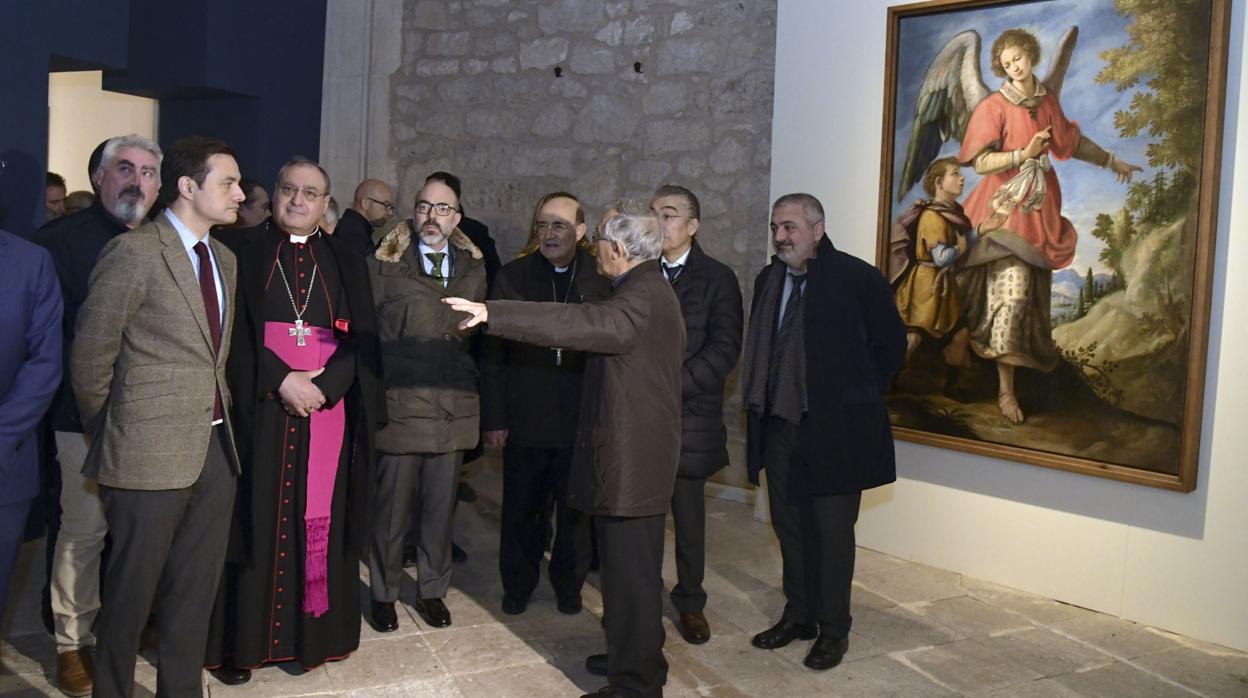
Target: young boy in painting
x=928, y=298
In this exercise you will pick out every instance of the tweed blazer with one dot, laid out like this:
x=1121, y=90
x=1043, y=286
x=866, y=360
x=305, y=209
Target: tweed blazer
x=142, y=365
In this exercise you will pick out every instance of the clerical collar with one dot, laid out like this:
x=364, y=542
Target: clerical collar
x=299, y=239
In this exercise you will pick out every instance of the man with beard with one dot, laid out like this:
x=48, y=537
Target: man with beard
x=824, y=342
x=372, y=206
x=431, y=397
x=530, y=396
x=127, y=179
x=304, y=372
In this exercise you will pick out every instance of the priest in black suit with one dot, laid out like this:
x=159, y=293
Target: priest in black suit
x=305, y=373
x=530, y=400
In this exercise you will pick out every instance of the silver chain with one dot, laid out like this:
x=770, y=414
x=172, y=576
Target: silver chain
x=311, y=282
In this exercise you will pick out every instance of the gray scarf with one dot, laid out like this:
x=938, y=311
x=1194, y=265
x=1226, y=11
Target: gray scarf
x=788, y=399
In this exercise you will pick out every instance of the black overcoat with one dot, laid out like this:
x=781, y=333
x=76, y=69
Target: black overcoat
x=710, y=301
x=855, y=344
x=523, y=389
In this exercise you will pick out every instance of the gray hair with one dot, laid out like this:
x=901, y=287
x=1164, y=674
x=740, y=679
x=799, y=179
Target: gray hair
x=810, y=206
x=331, y=212
x=132, y=140
x=636, y=230
x=301, y=161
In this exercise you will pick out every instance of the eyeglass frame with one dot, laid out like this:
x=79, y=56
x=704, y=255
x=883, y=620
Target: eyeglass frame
x=384, y=204
x=290, y=190
x=432, y=208
x=543, y=226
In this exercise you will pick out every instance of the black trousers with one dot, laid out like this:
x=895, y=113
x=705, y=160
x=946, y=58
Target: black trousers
x=532, y=479
x=631, y=553
x=689, y=523
x=816, y=535
x=168, y=551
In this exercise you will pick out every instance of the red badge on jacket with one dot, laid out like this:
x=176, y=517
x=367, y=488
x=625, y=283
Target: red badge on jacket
x=342, y=328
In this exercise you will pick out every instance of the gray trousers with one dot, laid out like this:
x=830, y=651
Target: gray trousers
x=168, y=550
x=429, y=480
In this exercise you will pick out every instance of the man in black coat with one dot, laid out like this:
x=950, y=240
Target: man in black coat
x=530, y=397
x=710, y=301
x=824, y=341
x=372, y=206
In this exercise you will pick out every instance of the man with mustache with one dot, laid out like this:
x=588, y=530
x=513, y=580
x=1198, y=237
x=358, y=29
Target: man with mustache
x=127, y=179
x=824, y=341
x=431, y=396
x=304, y=370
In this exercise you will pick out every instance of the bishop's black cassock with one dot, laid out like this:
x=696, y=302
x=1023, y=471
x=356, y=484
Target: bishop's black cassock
x=290, y=590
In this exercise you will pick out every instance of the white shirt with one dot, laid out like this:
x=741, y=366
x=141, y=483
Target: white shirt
x=189, y=240
x=678, y=263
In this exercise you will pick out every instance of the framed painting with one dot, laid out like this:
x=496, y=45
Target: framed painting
x=1048, y=201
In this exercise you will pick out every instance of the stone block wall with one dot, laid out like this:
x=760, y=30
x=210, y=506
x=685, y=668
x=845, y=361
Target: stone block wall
x=602, y=98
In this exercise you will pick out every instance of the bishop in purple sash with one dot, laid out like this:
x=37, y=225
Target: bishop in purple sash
x=308, y=403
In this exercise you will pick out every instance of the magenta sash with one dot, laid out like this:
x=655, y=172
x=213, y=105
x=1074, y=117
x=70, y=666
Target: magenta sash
x=326, y=431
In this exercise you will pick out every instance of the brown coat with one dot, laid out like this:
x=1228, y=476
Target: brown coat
x=142, y=365
x=628, y=437
x=430, y=379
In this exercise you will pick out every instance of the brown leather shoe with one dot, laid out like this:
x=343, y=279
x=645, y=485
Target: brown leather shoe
x=694, y=628
x=74, y=672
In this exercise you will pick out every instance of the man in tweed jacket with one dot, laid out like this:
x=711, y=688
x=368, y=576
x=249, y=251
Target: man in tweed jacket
x=148, y=372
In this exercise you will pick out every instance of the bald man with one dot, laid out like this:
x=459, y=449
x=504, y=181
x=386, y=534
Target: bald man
x=373, y=205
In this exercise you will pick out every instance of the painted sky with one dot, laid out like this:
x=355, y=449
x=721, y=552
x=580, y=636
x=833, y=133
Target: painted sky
x=1086, y=189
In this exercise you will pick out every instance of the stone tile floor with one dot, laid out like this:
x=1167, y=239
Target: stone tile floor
x=918, y=631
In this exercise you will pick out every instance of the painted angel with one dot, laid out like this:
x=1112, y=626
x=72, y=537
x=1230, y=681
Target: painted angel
x=1010, y=137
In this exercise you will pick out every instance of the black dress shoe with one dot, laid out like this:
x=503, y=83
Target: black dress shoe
x=514, y=606
x=458, y=554
x=596, y=664
x=604, y=692
x=826, y=652
x=384, y=618
x=231, y=675
x=409, y=555
x=434, y=612
x=782, y=634
x=694, y=628
x=569, y=605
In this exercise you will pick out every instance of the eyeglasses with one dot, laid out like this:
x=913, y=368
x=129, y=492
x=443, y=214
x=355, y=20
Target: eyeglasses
x=559, y=227
x=384, y=204
x=424, y=207
x=290, y=190
x=598, y=235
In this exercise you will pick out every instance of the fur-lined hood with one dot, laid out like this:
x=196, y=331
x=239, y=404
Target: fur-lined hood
x=396, y=242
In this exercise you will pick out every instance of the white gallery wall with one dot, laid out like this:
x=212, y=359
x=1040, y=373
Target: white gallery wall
x=1175, y=561
x=81, y=114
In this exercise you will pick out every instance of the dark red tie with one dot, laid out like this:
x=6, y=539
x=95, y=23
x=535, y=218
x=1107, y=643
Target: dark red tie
x=208, y=288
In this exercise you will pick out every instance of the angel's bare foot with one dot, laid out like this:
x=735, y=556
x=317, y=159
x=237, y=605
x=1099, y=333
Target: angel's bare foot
x=1009, y=407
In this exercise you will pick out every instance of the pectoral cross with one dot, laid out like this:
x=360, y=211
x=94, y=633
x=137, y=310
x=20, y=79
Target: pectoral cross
x=299, y=332
x=558, y=355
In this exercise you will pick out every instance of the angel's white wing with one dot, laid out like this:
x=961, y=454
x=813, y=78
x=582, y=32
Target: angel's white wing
x=951, y=89
x=1061, y=61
